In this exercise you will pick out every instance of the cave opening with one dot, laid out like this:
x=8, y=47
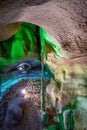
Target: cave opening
x=25, y=74
x=23, y=71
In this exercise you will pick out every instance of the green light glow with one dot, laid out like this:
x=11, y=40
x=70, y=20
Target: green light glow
x=46, y=38
x=24, y=43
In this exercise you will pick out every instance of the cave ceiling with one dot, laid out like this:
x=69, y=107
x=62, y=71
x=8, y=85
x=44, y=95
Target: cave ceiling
x=66, y=20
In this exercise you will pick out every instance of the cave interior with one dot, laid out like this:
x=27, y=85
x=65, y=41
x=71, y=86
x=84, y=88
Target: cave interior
x=43, y=65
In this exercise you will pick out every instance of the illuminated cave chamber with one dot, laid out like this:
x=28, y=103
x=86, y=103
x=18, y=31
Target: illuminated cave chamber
x=23, y=52
x=29, y=41
x=24, y=72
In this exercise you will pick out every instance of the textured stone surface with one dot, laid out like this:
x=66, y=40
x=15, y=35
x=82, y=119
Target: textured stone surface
x=80, y=114
x=66, y=20
x=30, y=103
x=33, y=87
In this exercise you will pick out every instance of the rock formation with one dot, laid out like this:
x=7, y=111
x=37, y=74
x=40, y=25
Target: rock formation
x=21, y=114
x=66, y=20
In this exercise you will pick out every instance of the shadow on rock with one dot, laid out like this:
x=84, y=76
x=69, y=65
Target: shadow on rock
x=21, y=114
